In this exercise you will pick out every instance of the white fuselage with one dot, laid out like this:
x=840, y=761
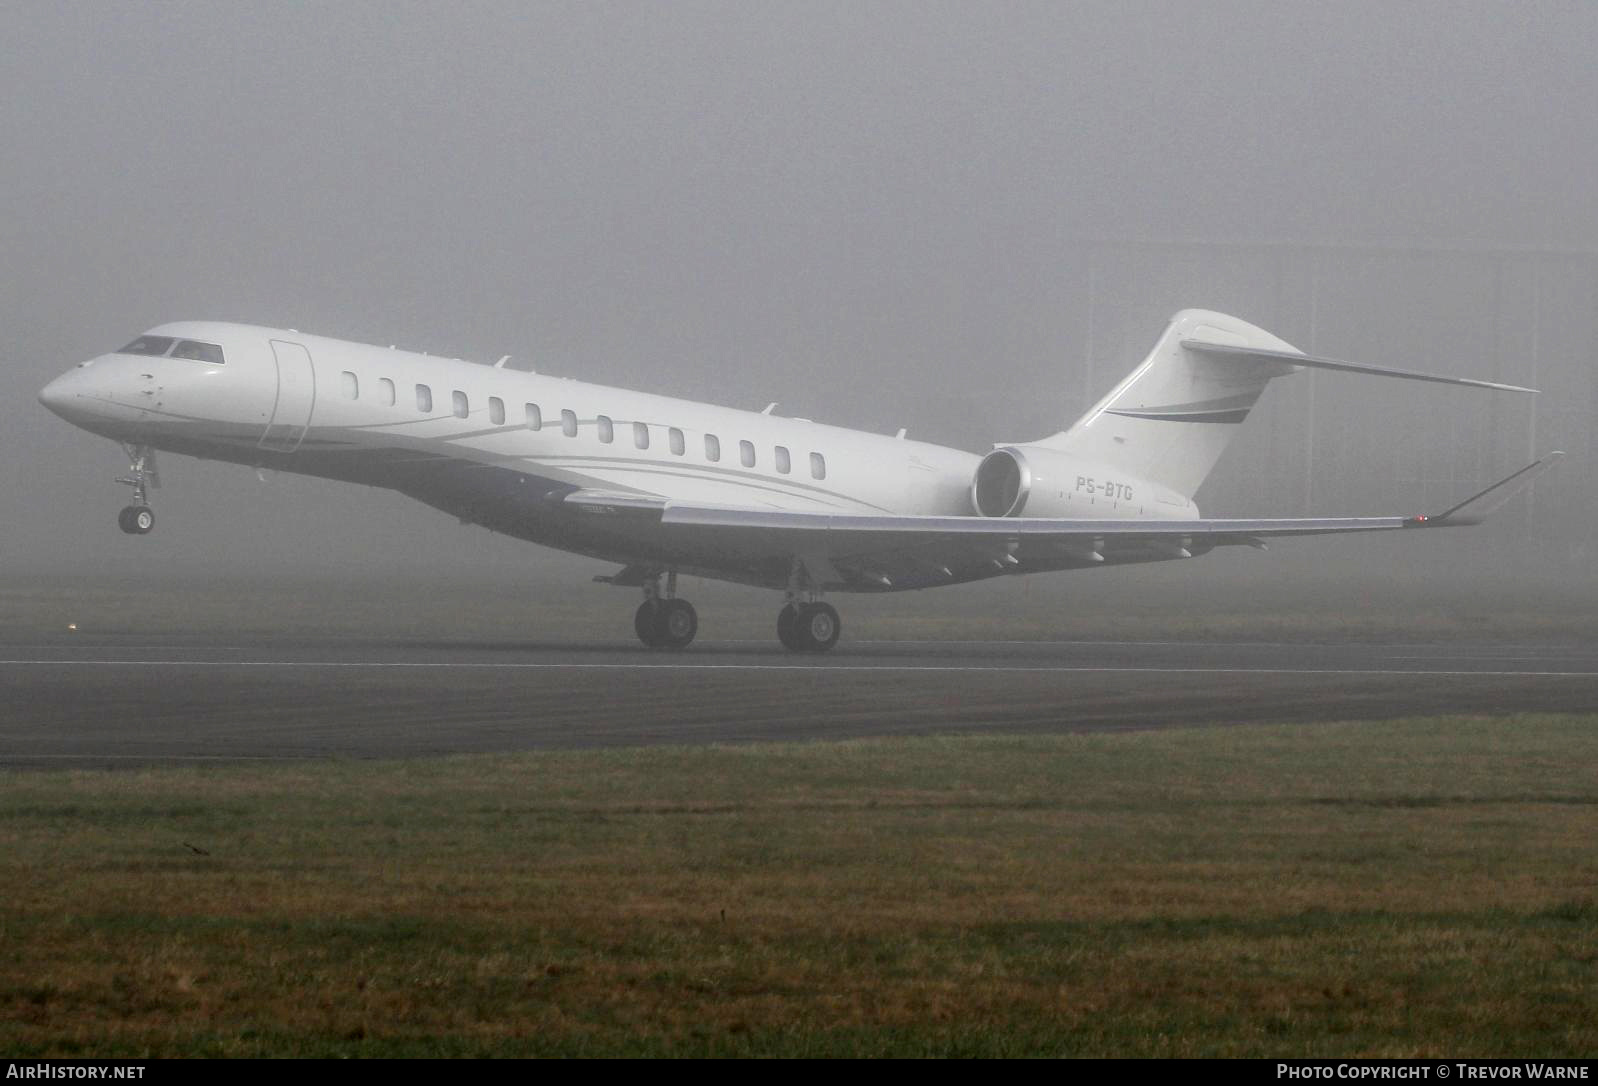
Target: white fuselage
x=500, y=447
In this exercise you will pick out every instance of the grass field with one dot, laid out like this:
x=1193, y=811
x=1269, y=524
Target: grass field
x=1421, y=887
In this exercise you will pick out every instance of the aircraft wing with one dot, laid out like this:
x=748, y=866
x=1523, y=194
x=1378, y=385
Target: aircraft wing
x=895, y=552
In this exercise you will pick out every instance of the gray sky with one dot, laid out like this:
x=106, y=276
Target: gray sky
x=873, y=213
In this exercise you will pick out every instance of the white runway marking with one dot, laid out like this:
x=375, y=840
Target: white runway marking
x=1334, y=646
x=421, y=665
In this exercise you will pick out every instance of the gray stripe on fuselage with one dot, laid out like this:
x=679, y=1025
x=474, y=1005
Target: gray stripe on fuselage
x=322, y=443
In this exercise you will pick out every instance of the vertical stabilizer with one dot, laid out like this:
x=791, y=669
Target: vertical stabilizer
x=1169, y=421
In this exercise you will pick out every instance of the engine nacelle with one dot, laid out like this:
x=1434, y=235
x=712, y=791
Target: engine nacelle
x=1029, y=480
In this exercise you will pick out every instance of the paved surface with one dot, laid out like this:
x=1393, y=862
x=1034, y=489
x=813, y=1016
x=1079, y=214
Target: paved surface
x=129, y=701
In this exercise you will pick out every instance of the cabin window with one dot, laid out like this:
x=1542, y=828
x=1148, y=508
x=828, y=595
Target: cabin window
x=678, y=446
x=458, y=400
x=607, y=432
x=535, y=417
x=818, y=466
x=351, y=386
x=424, y=399
x=568, y=423
x=385, y=390
x=784, y=465
x=496, y=411
x=199, y=352
x=746, y=454
x=641, y=435
x=712, y=448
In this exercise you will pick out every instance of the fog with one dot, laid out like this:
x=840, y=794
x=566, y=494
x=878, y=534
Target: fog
x=968, y=220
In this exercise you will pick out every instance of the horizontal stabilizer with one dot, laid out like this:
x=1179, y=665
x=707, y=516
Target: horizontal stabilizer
x=1170, y=419
x=1222, y=350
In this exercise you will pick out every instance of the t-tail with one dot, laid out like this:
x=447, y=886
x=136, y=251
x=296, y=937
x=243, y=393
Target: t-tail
x=1169, y=421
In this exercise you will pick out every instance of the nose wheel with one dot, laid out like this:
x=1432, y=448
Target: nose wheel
x=138, y=519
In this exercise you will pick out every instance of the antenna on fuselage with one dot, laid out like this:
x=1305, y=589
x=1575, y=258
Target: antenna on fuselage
x=769, y=408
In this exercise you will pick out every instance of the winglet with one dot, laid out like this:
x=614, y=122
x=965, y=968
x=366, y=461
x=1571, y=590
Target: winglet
x=1474, y=509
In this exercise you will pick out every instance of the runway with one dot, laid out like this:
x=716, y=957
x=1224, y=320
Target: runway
x=124, y=701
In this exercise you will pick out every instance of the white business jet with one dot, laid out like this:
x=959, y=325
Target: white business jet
x=664, y=486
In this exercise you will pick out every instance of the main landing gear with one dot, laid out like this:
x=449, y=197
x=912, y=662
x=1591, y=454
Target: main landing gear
x=808, y=627
x=663, y=621
x=805, y=623
x=137, y=519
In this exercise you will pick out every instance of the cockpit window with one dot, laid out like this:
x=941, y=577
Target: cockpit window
x=200, y=352
x=149, y=345
x=187, y=348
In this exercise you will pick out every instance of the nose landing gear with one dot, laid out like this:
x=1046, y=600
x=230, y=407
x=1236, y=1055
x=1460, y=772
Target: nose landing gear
x=138, y=519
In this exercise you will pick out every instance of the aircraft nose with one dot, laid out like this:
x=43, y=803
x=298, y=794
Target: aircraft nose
x=58, y=394
x=65, y=395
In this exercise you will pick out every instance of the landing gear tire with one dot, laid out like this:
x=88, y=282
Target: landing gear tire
x=666, y=624
x=809, y=627
x=678, y=624
x=136, y=520
x=819, y=626
x=788, y=628
x=646, y=622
